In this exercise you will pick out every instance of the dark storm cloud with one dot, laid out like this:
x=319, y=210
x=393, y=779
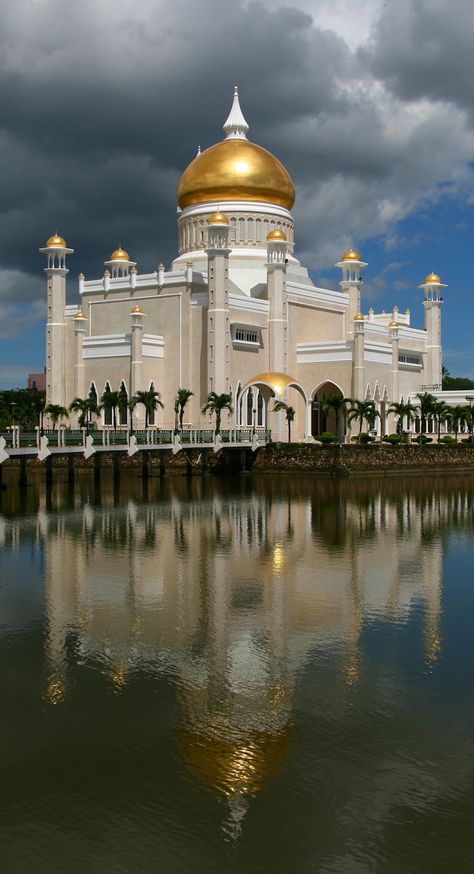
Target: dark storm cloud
x=102, y=105
x=424, y=50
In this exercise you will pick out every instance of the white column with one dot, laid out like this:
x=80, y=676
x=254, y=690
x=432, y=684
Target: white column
x=358, y=380
x=79, y=371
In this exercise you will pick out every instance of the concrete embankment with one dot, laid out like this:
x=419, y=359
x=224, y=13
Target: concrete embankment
x=375, y=458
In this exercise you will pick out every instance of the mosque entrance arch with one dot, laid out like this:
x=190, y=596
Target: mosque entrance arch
x=322, y=418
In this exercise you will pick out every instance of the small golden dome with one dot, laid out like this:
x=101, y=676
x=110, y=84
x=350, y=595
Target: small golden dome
x=432, y=279
x=393, y=324
x=161, y=266
x=80, y=315
x=120, y=255
x=276, y=234
x=350, y=255
x=358, y=317
x=106, y=272
x=57, y=241
x=81, y=276
x=236, y=169
x=137, y=310
x=218, y=218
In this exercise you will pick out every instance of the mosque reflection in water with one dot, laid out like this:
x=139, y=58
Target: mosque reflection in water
x=229, y=592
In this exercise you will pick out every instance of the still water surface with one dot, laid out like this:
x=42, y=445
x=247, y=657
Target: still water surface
x=237, y=675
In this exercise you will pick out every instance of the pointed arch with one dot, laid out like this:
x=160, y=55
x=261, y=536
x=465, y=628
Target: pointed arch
x=107, y=411
x=123, y=404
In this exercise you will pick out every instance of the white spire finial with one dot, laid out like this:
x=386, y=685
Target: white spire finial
x=198, y=151
x=236, y=127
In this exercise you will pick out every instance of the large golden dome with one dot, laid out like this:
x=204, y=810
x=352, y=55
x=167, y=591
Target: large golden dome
x=235, y=169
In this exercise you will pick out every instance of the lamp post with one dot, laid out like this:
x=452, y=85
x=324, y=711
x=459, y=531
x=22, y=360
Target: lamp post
x=254, y=420
x=470, y=398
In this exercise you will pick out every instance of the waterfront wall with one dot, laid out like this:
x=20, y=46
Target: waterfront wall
x=382, y=458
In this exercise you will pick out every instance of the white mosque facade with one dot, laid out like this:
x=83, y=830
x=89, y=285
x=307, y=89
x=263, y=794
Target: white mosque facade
x=236, y=313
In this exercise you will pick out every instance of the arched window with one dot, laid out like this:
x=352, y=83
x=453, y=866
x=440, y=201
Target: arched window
x=260, y=409
x=250, y=407
x=151, y=413
x=123, y=404
x=93, y=393
x=108, y=411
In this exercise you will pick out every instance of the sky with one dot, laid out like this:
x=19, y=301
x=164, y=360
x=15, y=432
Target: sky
x=369, y=105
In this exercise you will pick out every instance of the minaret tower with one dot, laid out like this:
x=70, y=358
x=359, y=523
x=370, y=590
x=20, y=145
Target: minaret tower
x=276, y=285
x=218, y=324
x=432, y=286
x=56, y=250
x=351, y=282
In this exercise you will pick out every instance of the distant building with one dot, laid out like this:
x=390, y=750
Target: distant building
x=236, y=313
x=37, y=381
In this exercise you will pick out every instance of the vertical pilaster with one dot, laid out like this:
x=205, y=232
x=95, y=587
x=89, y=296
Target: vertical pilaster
x=394, y=376
x=277, y=298
x=358, y=376
x=136, y=358
x=218, y=323
x=79, y=370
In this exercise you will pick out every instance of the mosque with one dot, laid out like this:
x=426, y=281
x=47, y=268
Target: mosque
x=235, y=313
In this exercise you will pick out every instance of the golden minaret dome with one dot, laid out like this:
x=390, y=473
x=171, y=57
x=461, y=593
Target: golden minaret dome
x=218, y=218
x=119, y=255
x=351, y=255
x=57, y=241
x=432, y=279
x=276, y=234
x=235, y=169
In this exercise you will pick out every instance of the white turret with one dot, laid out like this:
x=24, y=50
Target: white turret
x=351, y=282
x=432, y=286
x=119, y=263
x=235, y=128
x=56, y=250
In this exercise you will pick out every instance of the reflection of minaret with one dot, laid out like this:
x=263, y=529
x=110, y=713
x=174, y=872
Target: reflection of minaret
x=61, y=573
x=432, y=569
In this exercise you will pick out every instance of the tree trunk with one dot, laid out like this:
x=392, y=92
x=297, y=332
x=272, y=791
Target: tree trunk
x=289, y=431
x=218, y=421
x=181, y=417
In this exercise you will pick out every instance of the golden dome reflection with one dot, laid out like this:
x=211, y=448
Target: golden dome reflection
x=236, y=765
x=236, y=169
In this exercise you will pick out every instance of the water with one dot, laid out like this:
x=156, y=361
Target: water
x=242, y=675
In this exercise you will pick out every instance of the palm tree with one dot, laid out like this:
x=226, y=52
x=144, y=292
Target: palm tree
x=281, y=407
x=440, y=411
x=338, y=405
x=150, y=399
x=215, y=404
x=110, y=401
x=55, y=412
x=457, y=416
x=85, y=407
x=122, y=403
x=360, y=411
x=426, y=407
x=403, y=412
x=181, y=399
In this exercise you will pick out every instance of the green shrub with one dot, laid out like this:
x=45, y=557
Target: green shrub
x=393, y=439
x=447, y=439
x=423, y=439
x=469, y=441
x=327, y=437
